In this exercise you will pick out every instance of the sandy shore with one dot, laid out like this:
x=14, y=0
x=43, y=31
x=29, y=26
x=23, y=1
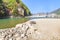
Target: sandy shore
x=47, y=23
x=47, y=29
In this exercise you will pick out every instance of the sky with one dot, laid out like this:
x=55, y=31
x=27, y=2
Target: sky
x=37, y=6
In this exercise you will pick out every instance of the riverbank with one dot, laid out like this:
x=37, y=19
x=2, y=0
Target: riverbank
x=43, y=29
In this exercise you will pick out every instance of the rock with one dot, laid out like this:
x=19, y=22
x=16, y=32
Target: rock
x=25, y=38
x=20, y=32
x=6, y=38
x=10, y=35
x=17, y=35
x=18, y=38
x=10, y=38
x=18, y=26
x=1, y=38
x=25, y=27
x=32, y=22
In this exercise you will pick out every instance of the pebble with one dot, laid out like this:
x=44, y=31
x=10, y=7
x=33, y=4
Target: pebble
x=17, y=33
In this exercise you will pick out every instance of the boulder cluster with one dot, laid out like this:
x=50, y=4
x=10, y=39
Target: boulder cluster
x=20, y=32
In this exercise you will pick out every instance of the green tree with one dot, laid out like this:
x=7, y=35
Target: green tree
x=8, y=7
x=3, y=10
x=12, y=4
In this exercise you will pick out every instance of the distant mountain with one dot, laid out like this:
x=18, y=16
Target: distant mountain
x=57, y=11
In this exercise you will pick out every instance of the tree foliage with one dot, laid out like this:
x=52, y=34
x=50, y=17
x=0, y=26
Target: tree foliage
x=3, y=10
x=9, y=7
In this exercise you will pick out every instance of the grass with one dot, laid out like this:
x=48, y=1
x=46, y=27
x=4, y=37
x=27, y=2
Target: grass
x=9, y=23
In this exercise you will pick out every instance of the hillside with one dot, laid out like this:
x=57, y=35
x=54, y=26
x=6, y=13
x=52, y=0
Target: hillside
x=57, y=11
x=13, y=8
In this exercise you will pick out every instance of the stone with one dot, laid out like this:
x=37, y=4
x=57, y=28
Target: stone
x=10, y=38
x=32, y=22
x=18, y=26
x=18, y=38
x=1, y=38
x=6, y=38
x=22, y=35
x=17, y=33
x=10, y=35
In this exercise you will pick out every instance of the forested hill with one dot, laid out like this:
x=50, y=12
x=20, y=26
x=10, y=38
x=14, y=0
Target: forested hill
x=13, y=8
